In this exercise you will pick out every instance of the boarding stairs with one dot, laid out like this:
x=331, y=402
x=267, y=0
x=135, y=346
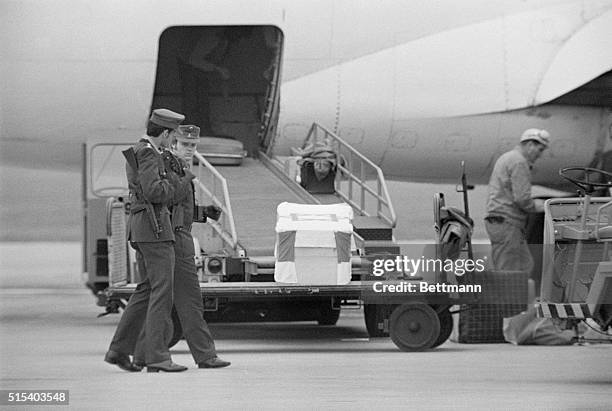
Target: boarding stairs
x=249, y=194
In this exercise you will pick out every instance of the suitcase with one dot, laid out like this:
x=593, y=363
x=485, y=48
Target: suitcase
x=222, y=150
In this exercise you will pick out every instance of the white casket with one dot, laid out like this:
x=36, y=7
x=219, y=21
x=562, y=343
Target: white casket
x=313, y=244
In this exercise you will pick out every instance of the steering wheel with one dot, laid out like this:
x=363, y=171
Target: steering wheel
x=604, y=178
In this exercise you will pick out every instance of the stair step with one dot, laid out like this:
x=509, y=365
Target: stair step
x=372, y=228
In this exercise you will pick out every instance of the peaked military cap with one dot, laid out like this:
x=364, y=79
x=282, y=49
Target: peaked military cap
x=166, y=118
x=188, y=133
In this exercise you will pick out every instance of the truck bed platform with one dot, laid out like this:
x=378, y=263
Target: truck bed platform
x=229, y=289
x=353, y=290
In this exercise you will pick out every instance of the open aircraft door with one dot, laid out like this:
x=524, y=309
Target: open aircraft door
x=224, y=79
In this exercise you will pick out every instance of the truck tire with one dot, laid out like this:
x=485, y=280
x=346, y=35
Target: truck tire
x=327, y=314
x=446, y=326
x=414, y=327
x=374, y=315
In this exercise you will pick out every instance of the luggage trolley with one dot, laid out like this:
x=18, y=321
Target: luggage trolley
x=577, y=265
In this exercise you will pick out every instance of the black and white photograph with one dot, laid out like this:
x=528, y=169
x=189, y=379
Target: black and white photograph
x=306, y=204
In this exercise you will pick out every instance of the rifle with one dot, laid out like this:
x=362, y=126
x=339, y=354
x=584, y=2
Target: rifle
x=464, y=189
x=130, y=157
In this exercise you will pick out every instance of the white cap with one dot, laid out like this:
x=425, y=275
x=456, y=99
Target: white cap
x=539, y=135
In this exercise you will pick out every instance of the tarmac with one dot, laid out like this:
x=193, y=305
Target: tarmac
x=50, y=338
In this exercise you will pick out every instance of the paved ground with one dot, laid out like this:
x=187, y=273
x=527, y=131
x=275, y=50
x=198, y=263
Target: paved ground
x=52, y=340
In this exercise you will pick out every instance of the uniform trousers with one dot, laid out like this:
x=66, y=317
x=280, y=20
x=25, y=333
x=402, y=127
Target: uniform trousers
x=150, y=306
x=509, y=249
x=188, y=303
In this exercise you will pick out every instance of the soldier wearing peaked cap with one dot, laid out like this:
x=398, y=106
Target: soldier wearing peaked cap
x=166, y=118
x=509, y=202
x=151, y=234
x=187, y=139
x=187, y=295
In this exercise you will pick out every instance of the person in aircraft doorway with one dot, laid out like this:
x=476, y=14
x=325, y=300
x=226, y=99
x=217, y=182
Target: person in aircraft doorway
x=203, y=71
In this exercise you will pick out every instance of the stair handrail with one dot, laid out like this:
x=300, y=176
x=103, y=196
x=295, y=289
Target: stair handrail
x=222, y=201
x=384, y=206
x=265, y=135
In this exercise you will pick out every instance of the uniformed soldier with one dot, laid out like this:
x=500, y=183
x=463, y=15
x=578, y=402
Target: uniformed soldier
x=187, y=295
x=150, y=233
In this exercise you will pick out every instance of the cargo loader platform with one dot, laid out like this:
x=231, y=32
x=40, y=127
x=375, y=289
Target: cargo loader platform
x=236, y=265
x=352, y=290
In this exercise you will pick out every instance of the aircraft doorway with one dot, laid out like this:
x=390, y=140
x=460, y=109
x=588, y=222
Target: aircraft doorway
x=224, y=79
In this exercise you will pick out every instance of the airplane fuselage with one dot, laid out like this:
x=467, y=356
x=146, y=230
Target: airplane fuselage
x=416, y=90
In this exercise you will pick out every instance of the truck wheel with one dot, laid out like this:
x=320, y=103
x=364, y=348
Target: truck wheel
x=414, y=327
x=327, y=315
x=374, y=315
x=446, y=327
x=177, y=332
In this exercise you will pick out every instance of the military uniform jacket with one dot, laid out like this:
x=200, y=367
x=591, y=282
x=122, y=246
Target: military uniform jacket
x=152, y=188
x=183, y=210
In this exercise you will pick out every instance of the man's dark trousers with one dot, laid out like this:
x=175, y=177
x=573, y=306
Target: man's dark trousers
x=188, y=303
x=188, y=299
x=151, y=303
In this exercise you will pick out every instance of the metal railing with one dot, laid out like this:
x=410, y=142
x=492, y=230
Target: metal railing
x=211, y=187
x=266, y=132
x=356, y=176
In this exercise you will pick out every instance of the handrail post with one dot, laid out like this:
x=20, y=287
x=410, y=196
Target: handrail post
x=361, y=183
x=350, y=180
x=379, y=192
